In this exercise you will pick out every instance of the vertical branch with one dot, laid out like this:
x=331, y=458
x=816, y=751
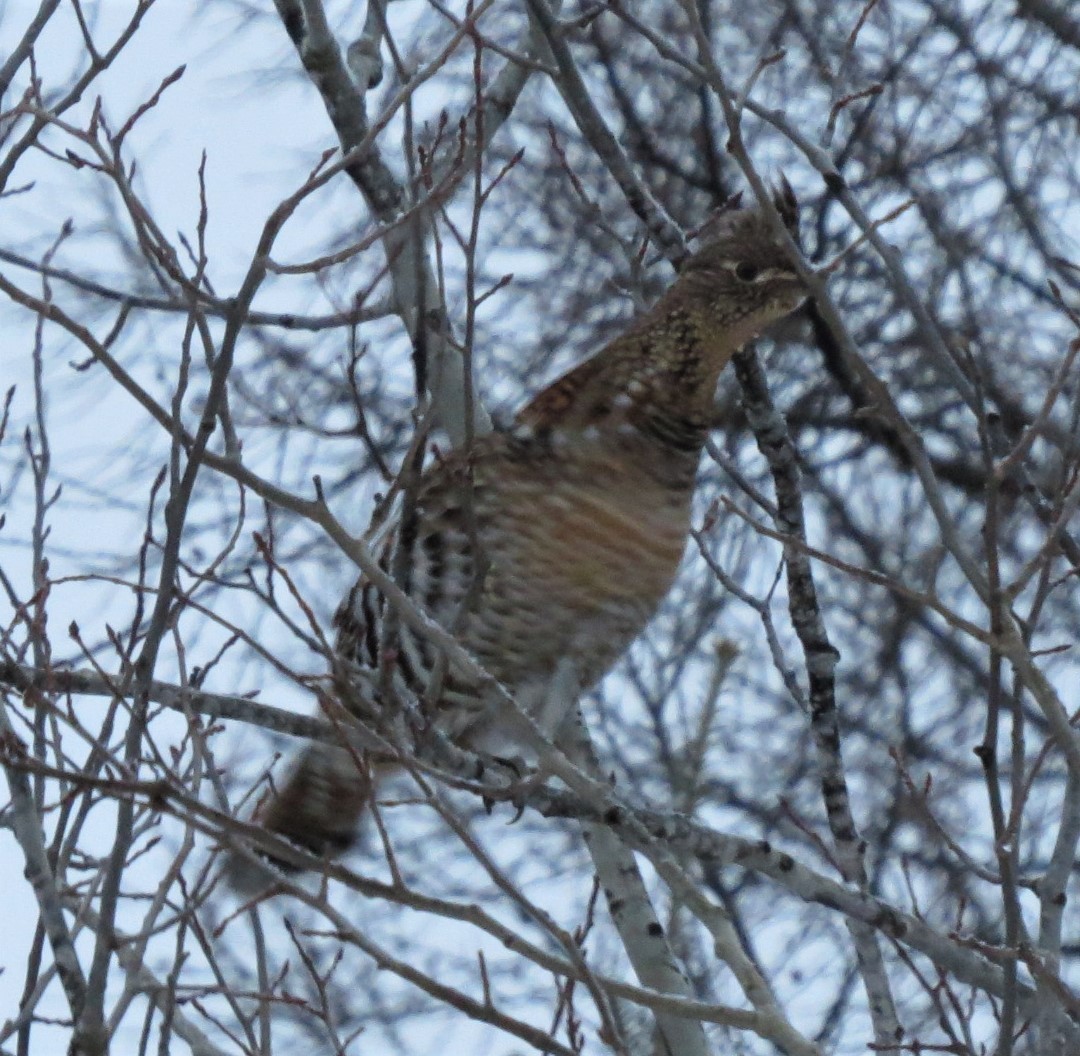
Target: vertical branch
x=416, y=292
x=1052, y=886
x=821, y=658
x=28, y=799
x=40, y=465
x=26, y=826
x=1006, y=834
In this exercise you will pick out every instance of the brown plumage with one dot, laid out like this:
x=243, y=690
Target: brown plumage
x=581, y=513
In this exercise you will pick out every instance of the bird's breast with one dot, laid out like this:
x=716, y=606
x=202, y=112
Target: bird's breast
x=577, y=563
x=603, y=545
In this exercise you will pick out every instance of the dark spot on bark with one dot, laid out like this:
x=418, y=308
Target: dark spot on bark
x=294, y=26
x=891, y=924
x=833, y=789
x=835, y=182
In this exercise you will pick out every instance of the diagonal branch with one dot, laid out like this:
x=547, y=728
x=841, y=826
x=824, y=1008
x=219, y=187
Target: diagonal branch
x=592, y=126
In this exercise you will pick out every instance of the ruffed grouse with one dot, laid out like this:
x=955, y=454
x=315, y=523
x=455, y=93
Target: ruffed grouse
x=581, y=511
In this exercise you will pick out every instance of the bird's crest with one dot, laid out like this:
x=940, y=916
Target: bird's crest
x=733, y=220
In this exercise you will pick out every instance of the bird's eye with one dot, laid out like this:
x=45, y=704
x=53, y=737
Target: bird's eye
x=746, y=272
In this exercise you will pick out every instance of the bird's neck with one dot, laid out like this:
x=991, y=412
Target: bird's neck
x=658, y=379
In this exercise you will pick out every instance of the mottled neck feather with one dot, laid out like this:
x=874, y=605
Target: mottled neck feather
x=660, y=377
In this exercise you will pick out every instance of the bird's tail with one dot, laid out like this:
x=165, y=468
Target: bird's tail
x=318, y=808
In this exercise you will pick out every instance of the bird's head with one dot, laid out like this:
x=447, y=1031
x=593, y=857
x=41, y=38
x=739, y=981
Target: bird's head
x=742, y=277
